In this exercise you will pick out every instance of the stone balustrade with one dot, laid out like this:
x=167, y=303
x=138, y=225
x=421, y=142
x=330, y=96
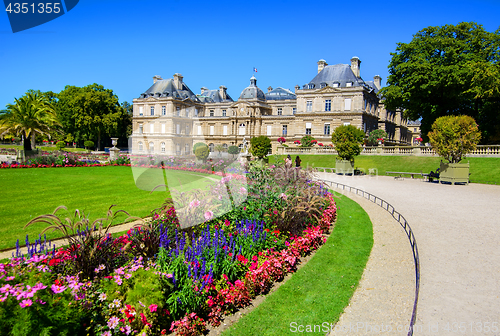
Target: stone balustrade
x=481, y=151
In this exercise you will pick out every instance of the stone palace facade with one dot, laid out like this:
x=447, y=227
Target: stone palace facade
x=169, y=118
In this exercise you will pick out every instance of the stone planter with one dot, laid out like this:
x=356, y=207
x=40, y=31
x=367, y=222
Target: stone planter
x=454, y=172
x=344, y=167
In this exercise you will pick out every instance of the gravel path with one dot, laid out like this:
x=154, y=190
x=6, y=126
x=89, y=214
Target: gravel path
x=456, y=229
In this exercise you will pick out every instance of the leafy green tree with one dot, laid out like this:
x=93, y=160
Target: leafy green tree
x=260, y=146
x=375, y=135
x=89, y=144
x=202, y=153
x=233, y=150
x=347, y=141
x=31, y=114
x=91, y=112
x=447, y=70
x=60, y=145
x=198, y=145
x=306, y=141
x=219, y=148
x=452, y=137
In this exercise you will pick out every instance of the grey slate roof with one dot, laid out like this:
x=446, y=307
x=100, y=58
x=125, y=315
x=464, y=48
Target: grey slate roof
x=372, y=85
x=166, y=88
x=213, y=96
x=338, y=73
x=280, y=94
x=252, y=91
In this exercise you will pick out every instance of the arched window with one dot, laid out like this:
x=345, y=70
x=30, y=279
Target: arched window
x=224, y=146
x=151, y=147
x=141, y=148
x=211, y=147
x=241, y=129
x=162, y=145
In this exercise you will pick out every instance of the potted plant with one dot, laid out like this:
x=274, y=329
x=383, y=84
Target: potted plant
x=347, y=141
x=281, y=140
x=452, y=137
x=306, y=141
x=377, y=137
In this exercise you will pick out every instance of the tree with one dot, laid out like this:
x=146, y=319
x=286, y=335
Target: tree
x=219, y=148
x=60, y=145
x=31, y=114
x=89, y=144
x=233, y=150
x=260, y=146
x=447, y=70
x=199, y=144
x=454, y=136
x=347, y=141
x=91, y=112
x=375, y=135
x=202, y=153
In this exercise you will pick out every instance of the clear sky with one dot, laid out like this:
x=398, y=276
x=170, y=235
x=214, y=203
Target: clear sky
x=122, y=44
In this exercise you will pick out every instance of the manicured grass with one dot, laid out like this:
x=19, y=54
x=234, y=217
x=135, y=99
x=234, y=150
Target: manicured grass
x=27, y=193
x=320, y=290
x=482, y=170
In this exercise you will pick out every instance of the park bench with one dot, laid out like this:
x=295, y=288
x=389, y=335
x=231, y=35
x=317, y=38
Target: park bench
x=401, y=175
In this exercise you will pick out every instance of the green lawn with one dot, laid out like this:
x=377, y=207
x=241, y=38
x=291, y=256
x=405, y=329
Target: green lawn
x=47, y=148
x=482, y=170
x=27, y=193
x=320, y=290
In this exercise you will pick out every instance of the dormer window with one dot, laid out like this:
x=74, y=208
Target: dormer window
x=322, y=85
x=311, y=86
x=348, y=84
x=336, y=84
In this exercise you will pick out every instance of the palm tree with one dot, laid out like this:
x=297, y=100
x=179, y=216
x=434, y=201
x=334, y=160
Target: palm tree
x=31, y=114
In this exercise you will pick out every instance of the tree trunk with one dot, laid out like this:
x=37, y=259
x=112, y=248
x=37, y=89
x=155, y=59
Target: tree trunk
x=26, y=143
x=98, y=140
x=33, y=141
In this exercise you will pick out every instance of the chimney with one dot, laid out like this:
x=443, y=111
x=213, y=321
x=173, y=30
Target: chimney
x=377, y=80
x=297, y=88
x=178, y=81
x=321, y=65
x=156, y=78
x=269, y=89
x=203, y=89
x=355, y=65
x=222, y=92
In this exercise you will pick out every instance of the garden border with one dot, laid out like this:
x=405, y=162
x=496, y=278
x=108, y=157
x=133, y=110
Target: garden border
x=404, y=224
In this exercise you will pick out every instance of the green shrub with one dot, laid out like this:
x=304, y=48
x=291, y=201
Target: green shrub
x=260, y=146
x=199, y=144
x=375, y=135
x=452, y=137
x=347, y=141
x=306, y=141
x=60, y=145
x=89, y=144
x=202, y=153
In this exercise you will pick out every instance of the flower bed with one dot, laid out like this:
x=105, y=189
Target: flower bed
x=158, y=278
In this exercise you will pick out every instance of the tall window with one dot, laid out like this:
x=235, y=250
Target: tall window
x=152, y=110
x=327, y=129
x=187, y=112
x=140, y=111
x=241, y=129
x=141, y=128
x=162, y=145
x=224, y=130
x=308, y=128
x=328, y=105
x=187, y=129
x=211, y=147
x=285, y=129
x=269, y=130
x=178, y=129
x=223, y=113
x=163, y=110
x=347, y=104
x=309, y=106
x=151, y=147
x=178, y=110
x=141, y=148
x=211, y=113
x=187, y=149
x=163, y=128
x=212, y=130
x=294, y=110
x=280, y=111
x=196, y=112
x=151, y=128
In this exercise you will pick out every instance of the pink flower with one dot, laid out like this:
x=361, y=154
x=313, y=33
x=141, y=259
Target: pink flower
x=57, y=288
x=26, y=303
x=113, y=322
x=153, y=308
x=209, y=215
x=194, y=204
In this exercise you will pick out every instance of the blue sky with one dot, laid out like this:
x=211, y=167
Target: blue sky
x=122, y=44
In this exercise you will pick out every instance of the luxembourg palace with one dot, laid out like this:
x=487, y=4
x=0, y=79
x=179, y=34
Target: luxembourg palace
x=169, y=118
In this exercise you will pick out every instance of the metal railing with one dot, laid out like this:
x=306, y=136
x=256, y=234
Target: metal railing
x=409, y=232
